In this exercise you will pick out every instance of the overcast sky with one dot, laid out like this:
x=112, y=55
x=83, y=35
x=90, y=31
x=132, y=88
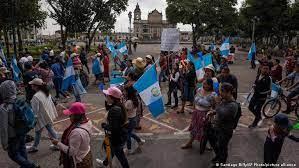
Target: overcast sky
x=122, y=22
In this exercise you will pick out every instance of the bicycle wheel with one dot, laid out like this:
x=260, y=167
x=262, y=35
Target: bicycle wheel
x=271, y=108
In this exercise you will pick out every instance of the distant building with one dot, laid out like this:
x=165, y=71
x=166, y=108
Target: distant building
x=185, y=36
x=150, y=29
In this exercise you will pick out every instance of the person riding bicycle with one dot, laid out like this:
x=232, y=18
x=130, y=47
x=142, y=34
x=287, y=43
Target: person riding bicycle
x=294, y=92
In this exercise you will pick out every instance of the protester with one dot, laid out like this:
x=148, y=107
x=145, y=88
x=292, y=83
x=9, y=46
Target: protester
x=131, y=104
x=227, y=77
x=294, y=77
x=290, y=65
x=75, y=142
x=262, y=87
x=58, y=71
x=83, y=58
x=163, y=66
x=275, y=138
x=203, y=103
x=45, y=110
x=223, y=124
x=188, y=86
x=106, y=62
x=45, y=73
x=28, y=76
x=129, y=68
x=4, y=74
x=135, y=46
x=116, y=126
x=139, y=66
x=22, y=62
x=173, y=86
x=149, y=62
x=97, y=67
x=276, y=71
x=11, y=142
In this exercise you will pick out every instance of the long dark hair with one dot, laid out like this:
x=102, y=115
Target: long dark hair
x=131, y=95
x=44, y=88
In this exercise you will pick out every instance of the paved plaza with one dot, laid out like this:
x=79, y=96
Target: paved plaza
x=165, y=134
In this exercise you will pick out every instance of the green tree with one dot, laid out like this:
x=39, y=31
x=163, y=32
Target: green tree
x=215, y=17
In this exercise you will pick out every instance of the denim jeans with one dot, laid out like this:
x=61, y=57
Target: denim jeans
x=131, y=127
x=58, y=84
x=17, y=152
x=162, y=76
x=38, y=134
x=119, y=153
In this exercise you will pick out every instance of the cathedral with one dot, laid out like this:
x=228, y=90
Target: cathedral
x=150, y=29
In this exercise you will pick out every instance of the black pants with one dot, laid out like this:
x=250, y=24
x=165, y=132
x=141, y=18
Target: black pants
x=173, y=89
x=255, y=106
x=272, y=151
x=219, y=139
x=119, y=153
x=253, y=66
x=86, y=65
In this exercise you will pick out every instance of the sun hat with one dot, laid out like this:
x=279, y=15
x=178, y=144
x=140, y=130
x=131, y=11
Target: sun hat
x=149, y=57
x=114, y=92
x=139, y=62
x=211, y=67
x=76, y=108
x=36, y=81
x=4, y=70
x=282, y=120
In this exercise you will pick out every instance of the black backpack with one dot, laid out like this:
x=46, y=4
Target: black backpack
x=238, y=115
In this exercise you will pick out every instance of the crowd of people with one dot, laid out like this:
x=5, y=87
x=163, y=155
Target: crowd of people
x=212, y=97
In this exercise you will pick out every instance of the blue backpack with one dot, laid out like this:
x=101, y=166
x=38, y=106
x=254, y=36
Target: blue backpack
x=25, y=119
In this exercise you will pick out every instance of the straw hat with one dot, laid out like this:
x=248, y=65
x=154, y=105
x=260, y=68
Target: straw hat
x=139, y=62
x=211, y=67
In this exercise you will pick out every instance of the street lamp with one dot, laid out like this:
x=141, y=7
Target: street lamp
x=130, y=42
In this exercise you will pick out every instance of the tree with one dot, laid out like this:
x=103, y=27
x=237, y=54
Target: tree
x=215, y=17
x=82, y=15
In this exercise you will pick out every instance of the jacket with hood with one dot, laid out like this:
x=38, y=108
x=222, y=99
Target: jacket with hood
x=8, y=93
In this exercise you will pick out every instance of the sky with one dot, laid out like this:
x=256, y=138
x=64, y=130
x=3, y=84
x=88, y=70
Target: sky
x=122, y=23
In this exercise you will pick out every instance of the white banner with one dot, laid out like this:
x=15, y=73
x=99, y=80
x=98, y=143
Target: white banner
x=170, y=40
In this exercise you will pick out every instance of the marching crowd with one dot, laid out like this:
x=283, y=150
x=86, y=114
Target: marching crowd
x=212, y=96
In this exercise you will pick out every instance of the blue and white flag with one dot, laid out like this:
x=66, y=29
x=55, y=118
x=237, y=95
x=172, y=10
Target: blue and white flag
x=149, y=90
x=15, y=69
x=224, y=49
x=252, y=51
x=208, y=59
x=122, y=48
x=110, y=46
x=2, y=56
x=69, y=76
x=117, y=81
x=198, y=64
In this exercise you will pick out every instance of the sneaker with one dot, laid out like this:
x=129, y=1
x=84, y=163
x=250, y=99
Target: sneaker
x=142, y=142
x=100, y=163
x=31, y=149
x=54, y=148
x=168, y=104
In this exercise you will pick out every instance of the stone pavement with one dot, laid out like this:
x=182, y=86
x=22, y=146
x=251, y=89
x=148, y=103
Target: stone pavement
x=163, y=151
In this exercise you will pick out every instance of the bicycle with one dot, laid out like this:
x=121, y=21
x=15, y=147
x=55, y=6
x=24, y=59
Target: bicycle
x=273, y=106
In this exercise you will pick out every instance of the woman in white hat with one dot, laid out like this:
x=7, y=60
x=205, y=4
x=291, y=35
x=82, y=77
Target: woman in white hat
x=45, y=110
x=149, y=61
x=139, y=66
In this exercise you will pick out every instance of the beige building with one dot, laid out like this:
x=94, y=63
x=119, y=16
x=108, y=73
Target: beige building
x=150, y=29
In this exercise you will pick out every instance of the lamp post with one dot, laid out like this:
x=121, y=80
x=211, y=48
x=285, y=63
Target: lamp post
x=130, y=42
x=253, y=27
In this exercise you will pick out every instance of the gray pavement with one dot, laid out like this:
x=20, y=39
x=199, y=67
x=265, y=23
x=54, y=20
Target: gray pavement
x=164, y=151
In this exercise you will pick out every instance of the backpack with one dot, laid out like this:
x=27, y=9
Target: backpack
x=25, y=119
x=238, y=115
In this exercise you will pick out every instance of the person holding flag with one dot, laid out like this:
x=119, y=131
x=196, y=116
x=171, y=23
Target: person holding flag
x=97, y=67
x=224, y=49
x=251, y=55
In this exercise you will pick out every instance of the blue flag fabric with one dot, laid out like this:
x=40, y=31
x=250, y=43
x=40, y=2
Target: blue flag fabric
x=69, y=76
x=252, y=51
x=149, y=90
x=2, y=56
x=117, y=81
x=110, y=46
x=208, y=59
x=96, y=67
x=15, y=69
x=224, y=49
x=122, y=48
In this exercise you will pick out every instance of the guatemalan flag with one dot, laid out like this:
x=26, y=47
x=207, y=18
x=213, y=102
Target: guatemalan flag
x=198, y=64
x=110, y=46
x=15, y=69
x=224, y=49
x=122, y=48
x=69, y=76
x=2, y=56
x=149, y=90
x=252, y=51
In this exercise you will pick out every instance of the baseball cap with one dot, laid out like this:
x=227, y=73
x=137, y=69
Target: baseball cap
x=114, y=92
x=36, y=81
x=76, y=108
x=283, y=121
